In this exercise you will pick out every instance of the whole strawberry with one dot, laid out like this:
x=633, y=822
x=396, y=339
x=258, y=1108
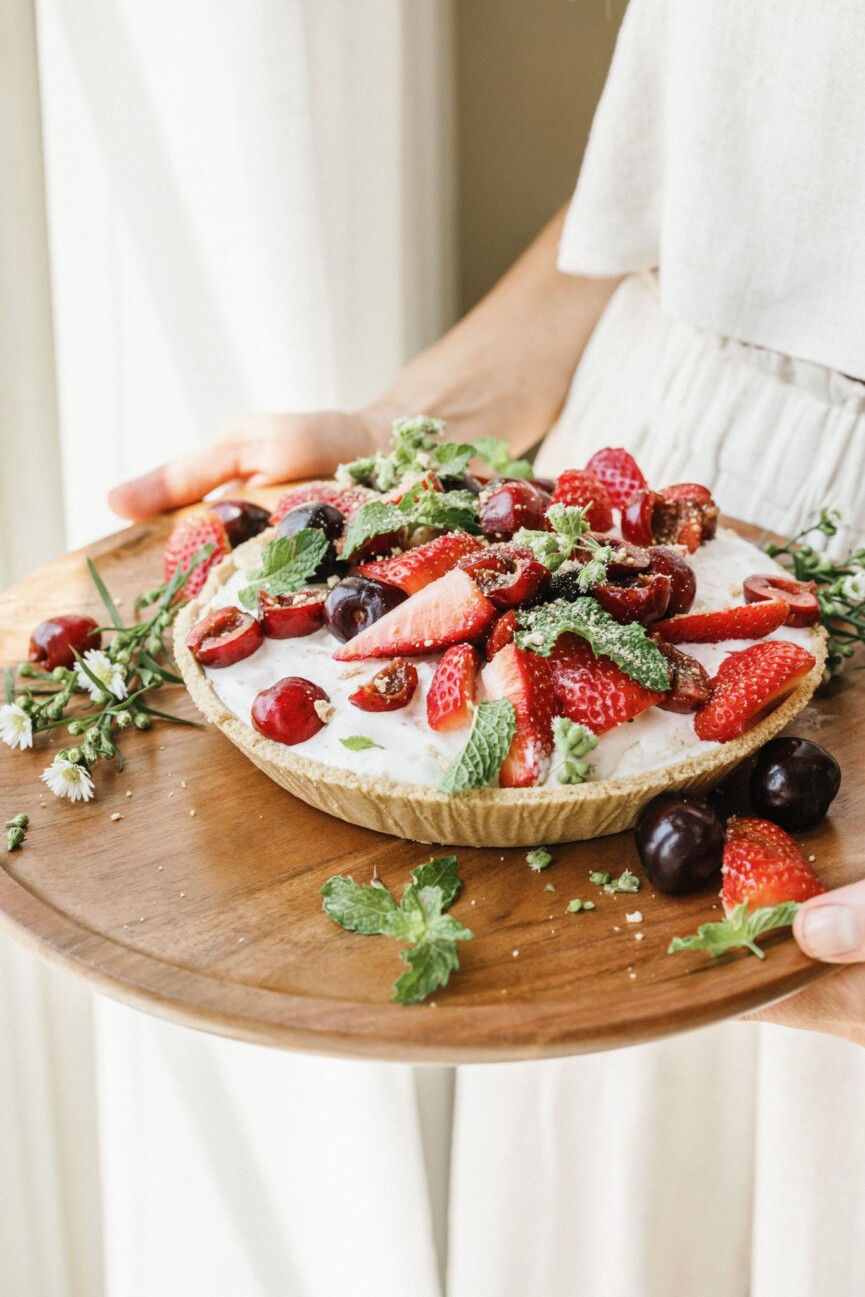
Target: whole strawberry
x=619, y=472
x=764, y=867
x=189, y=536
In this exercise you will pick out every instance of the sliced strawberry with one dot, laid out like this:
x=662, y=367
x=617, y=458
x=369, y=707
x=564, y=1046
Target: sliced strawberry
x=418, y=567
x=747, y=621
x=580, y=487
x=619, y=472
x=347, y=499
x=450, y=701
x=799, y=596
x=527, y=681
x=390, y=689
x=448, y=611
x=189, y=536
x=748, y=684
x=501, y=632
x=764, y=867
x=594, y=691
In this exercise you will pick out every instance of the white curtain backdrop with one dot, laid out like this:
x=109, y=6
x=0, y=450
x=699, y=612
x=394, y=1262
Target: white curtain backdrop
x=249, y=206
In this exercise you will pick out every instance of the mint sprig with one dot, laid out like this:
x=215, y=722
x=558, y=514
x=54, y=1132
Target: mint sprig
x=287, y=564
x=418, y=919
x=487, y=746
x=741, y=929
x=555, y=547
x=628, y=646
x=494, y=452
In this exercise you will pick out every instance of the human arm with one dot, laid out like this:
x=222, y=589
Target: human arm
x=502, y=371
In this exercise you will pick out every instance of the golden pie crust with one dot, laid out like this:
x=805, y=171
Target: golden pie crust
x=488, y=817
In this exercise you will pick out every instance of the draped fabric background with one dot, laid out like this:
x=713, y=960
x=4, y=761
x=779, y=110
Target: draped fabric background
x=243, y=206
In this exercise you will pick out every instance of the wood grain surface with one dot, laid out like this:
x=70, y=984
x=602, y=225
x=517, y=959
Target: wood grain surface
x=214, y=919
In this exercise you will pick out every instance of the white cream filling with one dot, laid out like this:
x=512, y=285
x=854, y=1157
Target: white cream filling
x=410, y=751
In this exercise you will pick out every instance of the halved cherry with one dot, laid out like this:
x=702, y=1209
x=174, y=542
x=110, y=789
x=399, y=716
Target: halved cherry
x=679, y=515
x=643, y=597
x=506, y=506
x=626, y=558
x=501, y=633
x=690, y=682
x=389, y=689
x=53, y=641
x=288, y=616
x=683, y=581
x=507, y=574
x=241, y=519
x=291, y=711
x=224, y=637
x=799, y=596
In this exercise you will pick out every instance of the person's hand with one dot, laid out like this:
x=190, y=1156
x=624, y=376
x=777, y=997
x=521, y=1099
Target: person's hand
x=255, y=450
x=830, y=927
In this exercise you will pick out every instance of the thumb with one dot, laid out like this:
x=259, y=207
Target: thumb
x=831, y=927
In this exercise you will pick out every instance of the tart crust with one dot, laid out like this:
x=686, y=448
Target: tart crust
x=489, y=817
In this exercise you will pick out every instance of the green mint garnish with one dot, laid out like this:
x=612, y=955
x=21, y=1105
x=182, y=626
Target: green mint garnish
x=416, y=449
x=418, y=919
x=628, y=646
x=599, y=877
x=358, y=743
x=740, y=929
x=487, y=746
x=626, y=882
x=576, y=905
x=287, y=564
x=419, y=507
x=494, y=452
x=549, y=888
x=572, y=741
x=539, y=859
x=554, y=547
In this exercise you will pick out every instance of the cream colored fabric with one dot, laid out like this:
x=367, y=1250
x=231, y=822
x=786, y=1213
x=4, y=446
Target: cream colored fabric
x=729, y=149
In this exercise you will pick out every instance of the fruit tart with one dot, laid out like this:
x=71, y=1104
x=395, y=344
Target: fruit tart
x=494, y=659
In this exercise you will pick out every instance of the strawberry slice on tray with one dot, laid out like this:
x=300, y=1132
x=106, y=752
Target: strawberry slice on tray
x=593, y=690
x=418, y=567
x=747, y=621
x=448, y=611
x=763, y=866
x=527, y=681
x=748, y=684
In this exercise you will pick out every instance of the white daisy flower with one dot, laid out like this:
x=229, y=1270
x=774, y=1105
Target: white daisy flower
x=67, y=779
x=853, y=587
x=16, y=727
x=108, y=673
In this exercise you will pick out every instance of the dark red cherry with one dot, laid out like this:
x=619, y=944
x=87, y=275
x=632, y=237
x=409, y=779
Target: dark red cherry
x=286, y=712
x=643, y=597
x=389, y=689
x=356, y=602
x=680, y=842
x=683, y=583
x=288, y=616
x=799, y=596
x=241, y=519
x=794, y=783
x=224, y=637
x=508, y=575
x=52, y=641
x=318, y=516
x=505, y=507
x=690, y=682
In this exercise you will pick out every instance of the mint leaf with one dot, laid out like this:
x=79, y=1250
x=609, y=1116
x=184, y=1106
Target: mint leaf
x=741, y=929
x=374, y=519
x=358, y=743
x=479, y=762
x=554, y=547
x=628, y=646
x=494, y=451
x=422, y=506
x=419, y=919
x=287, y=564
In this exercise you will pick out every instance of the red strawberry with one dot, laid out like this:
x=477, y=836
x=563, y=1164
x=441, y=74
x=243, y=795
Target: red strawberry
x=594, y=691
x=346, y=499
x=416, y=568
x=579, y=487
x=747, y=621
x=764, y=867
x=501, y=632
x=188, y=537
x=447, y=611
x=450, y=702
x=748, y=684
x=799, y=596
x=526, y=680
x=619, y=472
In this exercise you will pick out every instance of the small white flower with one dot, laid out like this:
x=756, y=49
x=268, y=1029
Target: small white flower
x=853, y=587
x=108, y=673
x=16, y=727
x=67, y=779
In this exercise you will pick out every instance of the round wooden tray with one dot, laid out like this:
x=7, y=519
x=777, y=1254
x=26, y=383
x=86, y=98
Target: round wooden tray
x=214, y=919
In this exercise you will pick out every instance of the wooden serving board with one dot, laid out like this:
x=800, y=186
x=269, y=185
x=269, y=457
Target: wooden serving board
x=214, y=919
